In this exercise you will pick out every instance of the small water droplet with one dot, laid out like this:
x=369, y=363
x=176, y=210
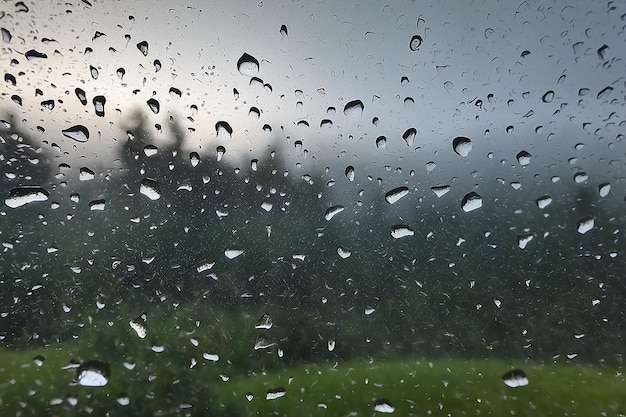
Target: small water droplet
x=274, y=393
x=522, y=241
x=223, y=130
x=93, y=374
x=82, y=97
x=39, y=360
x=333, y=211
x=220, y=150
x=233, y=251
x=585, y=224
x=471, y=201
x=194, y=158
x=543, y=201
x=381, y=142
x=399, y=231
x=383, y=405
x=440, y=190
x=249, y=396
x=523, y=158
x=79, y=133
x=143, y=47
x=154, y=105
x=265, y=322
x=409, y=136
x=139, y=325
x=462, y=146
x=98, y=103
x=353, y=109
x=343, y=252
x=94, y=72
x=396, y=194
x=415, y=43
x=515, y=378
x=548, y=96
x=604, y=189
x=283, y=30
x=263, y=342
x=248, y=65
x=150, y=188
x=157, y=65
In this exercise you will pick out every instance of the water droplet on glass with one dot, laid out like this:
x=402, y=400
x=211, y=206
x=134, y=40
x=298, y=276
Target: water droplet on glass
x=139, y=325
x=94, y=72
x=462, y=146
x=30, y=54
x=381, y=142
x=233, y=251
x=79, y=133
x=353, y=109
x=283, y=30
x=350, y=173
x=522, y=241
x=543, y=201
x=150, y=188
x=6, y=35
x=220, y=150
x=585, y=224
x=471, y=201
x=82, y=97
x=25, y=195
x=523, y=158
x=154, y=105
x=396, y=194
x=580, y=177
x=331, y=345
x=515, y=378
x=383, y=405
x=415, y=43
x=120, y=73
x=143, y=47
x=605, y=92
x=194, y=158
x=39, y=360
x=604, y=189
x=98, y=103
x=343, y=252
x=123, y=399
x=157, y=65
x=97, y=205
x=223, y=130
x=262, y=342
x=86, y=174
x=265, y=322
x=274, y=393
x=548, y=97
x=399, y=231
x=332, y=211
x=440, y=190
x=93, y=374
x=409, y=136
x=248, y=65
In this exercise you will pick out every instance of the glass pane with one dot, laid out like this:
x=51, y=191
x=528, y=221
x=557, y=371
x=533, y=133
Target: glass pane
x=296, y=208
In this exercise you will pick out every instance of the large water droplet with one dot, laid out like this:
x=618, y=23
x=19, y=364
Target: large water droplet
x=154, y=105
x=332, y=211
x=223, y=130
x=150, y=188
x=548, y=96
x=396, y=194
x=265, y=322
x=233, y=251
x=24, y=195
x=79, y=133
x=471, y=201
x=220, y=152
x=353, y=109
x=263, y=342
x=415, y=43
x=343, y=252
x=93, y=374
x=515, y=378
x=585, y=224
x=383, y=405
x=462, y=146
x=248, y=65
x=82, y=97
x=523, y=158
x=143, y=47
x=98, y=103
x=350, y=173
x=543, y=201
x=274, y=393
x=440, y=190
x=604, y=189
x=399, y=231
x=139, y=325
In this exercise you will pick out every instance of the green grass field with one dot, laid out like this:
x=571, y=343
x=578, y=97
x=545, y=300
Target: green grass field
x=165, y=384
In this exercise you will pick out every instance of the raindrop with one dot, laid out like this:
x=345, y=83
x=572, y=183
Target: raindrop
x=194, y=158
x=605, y=92
x=139, y=325
x=585, y=224
x=249, y=396
x=399, y=231
x=462, y=146
x=440, y=190
x=120, y=73
x=326, y=123
x=97, y=205
x=331, y=345
x=80, y=93
x=123, y=399
x=48, y=104
x=220, y=152
x=515, y=378
x=248, y=65
x=254, y=112
x=409, y=136
x=415, y=43
x=86, y=174
x=150, y=150
x=233, y=251
x=580, y=177
x=143, y=47
x=522, y=241
x=381, y=142
x=274, y=393
x=543, y=201
x=34, y=54
x=150, y=188
x=604, y=189
x=79, y=133
x=154, y=105
x=283, y=30
x=471, y=201
x=350, y=173
x=265, y=322
x=353, y=109
x=404, y=81
x=98, y=103
x=262, y=342
x=6, y=35
x=332, y=211
x=548, y=97
x=223, y=130
x=175, y=92
x=94, y=72
x=157, y=65
x=343, y=252
x=396, y=194
x=523, y=158
x=93, y=374
x=383, y=405
x=39, y=360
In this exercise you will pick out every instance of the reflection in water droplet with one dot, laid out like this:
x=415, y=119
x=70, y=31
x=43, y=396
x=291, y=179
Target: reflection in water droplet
x=523, y=158
x=79, y=133
x=471, y=201
x=248, y=65
x=353, y=109
x=194, y=158
x=399, y=231
x=82, y=97
x=515, y=378
x=585, y=224
x=25, y=195
x=97, y=205
x=409, y=136
x=381, y=142
x=150, y=188
x=94, y=72
x=462, y=146
x=396, y=194
x=332, y=211
x=93, y=374
x=415, y=43
x=350, y=173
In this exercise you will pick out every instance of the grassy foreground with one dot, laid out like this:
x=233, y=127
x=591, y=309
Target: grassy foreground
x=160, y=385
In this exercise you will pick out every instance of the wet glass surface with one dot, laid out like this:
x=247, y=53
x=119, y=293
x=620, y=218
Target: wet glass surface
x=297, y=208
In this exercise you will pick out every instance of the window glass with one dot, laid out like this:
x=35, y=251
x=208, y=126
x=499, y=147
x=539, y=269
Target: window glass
x=312, y=208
